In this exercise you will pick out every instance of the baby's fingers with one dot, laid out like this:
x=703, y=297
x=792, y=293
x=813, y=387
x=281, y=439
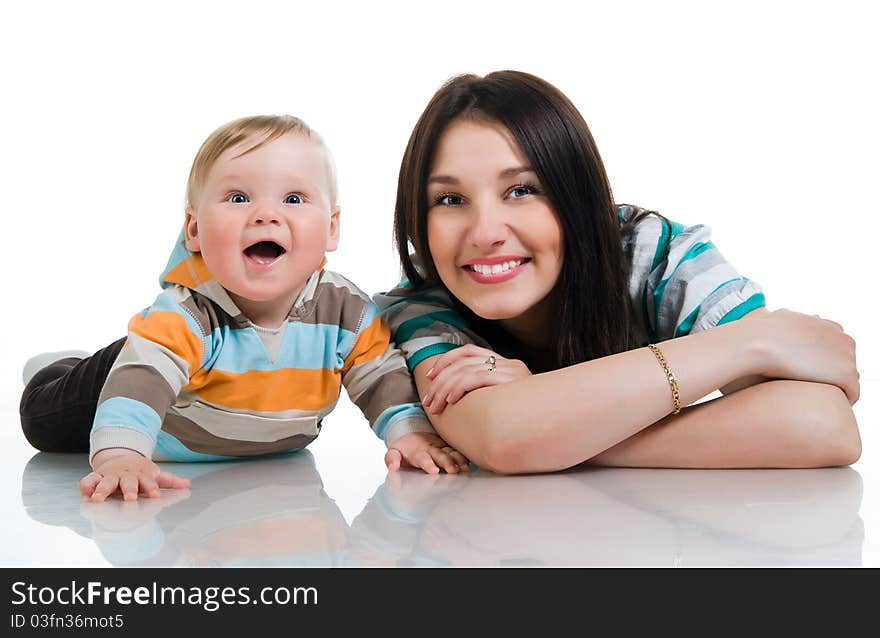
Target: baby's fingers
x=106, y=486
x=460, y=460
x=88, y=484
x=444, y=460
x=149, y=486
x=422, y=459
x=169, y=480
x=393, y=459
x=128, y=485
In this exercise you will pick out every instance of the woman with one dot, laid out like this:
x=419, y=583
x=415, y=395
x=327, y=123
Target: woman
x=531, y=301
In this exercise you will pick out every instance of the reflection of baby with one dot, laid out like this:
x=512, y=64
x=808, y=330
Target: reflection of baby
x=617, y=517
x=270, y=513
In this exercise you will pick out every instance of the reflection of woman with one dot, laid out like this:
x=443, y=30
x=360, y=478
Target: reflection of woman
x=270, y=513
x=520, y=256
x=617, y=517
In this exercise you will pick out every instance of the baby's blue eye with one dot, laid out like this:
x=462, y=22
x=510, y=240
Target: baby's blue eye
x=293, y=199
x=237, y=198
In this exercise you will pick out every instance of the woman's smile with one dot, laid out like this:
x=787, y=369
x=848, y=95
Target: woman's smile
x=495, y=270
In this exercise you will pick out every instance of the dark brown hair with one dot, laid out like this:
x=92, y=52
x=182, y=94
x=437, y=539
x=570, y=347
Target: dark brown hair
x=593, y=304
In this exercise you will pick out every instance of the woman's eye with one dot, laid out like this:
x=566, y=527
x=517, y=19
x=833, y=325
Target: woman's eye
x=518, y=192
x=236, y=198
x=293, y=199
x=445, y=199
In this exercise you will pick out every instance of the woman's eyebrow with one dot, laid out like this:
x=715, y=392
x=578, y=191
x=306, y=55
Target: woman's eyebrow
x=443, y=179
x=516, y=170
x=506, y=173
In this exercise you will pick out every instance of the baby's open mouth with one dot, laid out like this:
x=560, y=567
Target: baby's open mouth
x=264, y=252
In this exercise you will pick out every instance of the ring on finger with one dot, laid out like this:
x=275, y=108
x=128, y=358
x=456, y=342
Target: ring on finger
x=490, y=362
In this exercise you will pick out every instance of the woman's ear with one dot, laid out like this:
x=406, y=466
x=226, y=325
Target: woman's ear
x=333, y=235
x=191, y=232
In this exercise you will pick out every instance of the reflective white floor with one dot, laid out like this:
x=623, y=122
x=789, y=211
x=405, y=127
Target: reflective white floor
x=335, y=506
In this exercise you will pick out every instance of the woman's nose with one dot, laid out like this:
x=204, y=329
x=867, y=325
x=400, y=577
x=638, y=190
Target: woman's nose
x=488, y=227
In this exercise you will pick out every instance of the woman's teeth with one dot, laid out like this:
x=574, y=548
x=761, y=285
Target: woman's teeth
x=494, y=269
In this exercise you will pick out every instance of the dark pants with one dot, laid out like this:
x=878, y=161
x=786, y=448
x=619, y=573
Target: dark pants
x=58, y=405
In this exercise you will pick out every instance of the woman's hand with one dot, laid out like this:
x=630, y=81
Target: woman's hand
x=130, y=473
x=467, y=368
x=807, y=348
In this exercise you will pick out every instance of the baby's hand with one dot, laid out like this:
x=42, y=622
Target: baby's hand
x=426, y=451
x=130, y=473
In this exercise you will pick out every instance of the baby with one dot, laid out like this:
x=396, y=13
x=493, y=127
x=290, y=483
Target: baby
x=244, y=351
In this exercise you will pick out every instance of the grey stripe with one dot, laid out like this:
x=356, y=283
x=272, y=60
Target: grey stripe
x=139, y=382
x=139, y=351
x=217, y=293
x=334, y=305
x=672, y=300
x=734, y=294
x=394, y=388
x=245, y=427
x=197, y=439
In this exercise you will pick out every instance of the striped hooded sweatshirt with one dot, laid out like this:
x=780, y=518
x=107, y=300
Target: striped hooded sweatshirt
x=198, y=381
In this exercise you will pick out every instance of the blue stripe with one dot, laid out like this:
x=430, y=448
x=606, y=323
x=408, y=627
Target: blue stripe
x=427, y=352
x=122, y=412
x=408, y=328
x=170, y=447
x=669, y=231
x=685, y=326
x=394, y=414
x=305, y=346
x=752, y=303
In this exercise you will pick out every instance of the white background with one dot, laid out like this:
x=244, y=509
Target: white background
x=759, y=119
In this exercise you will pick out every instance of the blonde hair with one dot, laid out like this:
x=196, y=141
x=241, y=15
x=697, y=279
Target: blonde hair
x=271, y=127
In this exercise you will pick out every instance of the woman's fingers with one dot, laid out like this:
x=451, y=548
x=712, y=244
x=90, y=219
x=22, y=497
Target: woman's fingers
x=463, y=377
x=448, y=358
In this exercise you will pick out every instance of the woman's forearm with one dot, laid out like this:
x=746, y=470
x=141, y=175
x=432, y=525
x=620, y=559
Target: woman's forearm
x=781, y=424
x=557, y=419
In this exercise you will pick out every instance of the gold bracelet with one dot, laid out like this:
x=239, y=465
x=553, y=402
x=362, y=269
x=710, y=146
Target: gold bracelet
x=670, y=377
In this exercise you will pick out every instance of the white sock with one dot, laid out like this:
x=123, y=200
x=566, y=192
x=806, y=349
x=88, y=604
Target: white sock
x=40, y=361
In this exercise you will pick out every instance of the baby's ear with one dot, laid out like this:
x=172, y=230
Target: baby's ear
x=333, y=235
x=191, y=232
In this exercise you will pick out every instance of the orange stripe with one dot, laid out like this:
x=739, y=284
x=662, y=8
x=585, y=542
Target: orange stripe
x=170, y=329
x=190, y=272
x=371, y=343
x=268, y=390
